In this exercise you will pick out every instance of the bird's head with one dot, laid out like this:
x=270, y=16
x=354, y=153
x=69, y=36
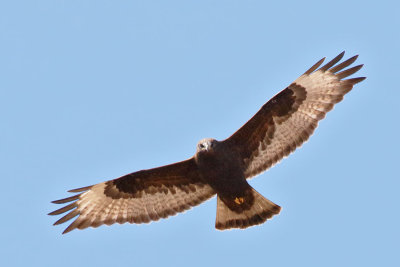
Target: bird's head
x=206, y=145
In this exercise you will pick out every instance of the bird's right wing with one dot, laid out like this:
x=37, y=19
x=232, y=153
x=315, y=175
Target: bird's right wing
x=289, y=118
x=139, y=197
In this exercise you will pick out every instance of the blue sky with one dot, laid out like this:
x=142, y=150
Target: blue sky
x=92, y=90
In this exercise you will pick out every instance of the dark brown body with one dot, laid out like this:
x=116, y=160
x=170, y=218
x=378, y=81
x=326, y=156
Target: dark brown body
x=221, y=167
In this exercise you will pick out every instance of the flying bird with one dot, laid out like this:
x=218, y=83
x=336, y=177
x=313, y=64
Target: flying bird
x=219, y=167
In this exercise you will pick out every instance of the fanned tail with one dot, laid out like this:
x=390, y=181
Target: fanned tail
x=258, y=212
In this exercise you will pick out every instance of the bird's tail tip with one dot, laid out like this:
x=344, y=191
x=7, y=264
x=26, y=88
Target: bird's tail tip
x=259, y=210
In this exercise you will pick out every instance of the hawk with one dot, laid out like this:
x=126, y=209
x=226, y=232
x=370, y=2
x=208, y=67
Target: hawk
x=219, y=167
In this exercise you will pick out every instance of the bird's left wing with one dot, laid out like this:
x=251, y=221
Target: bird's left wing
x=139, y=197
x=289, y=118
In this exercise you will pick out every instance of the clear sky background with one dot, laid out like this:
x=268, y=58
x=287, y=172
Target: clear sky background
x=92, y=90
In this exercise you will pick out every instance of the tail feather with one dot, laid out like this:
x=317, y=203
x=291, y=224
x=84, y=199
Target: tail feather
x=261, y=210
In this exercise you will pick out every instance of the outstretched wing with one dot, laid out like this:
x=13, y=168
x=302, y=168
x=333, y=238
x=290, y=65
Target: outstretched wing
x=289, y=118
x=139, y=197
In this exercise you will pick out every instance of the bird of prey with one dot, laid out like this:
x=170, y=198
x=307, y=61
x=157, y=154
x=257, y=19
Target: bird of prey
x=219, y=167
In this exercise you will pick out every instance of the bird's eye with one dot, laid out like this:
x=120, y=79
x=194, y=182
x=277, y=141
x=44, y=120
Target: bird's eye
x=201, y=146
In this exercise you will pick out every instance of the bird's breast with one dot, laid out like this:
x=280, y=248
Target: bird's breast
x=220, y=169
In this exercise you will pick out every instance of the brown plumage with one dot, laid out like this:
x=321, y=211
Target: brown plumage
x=219, y=167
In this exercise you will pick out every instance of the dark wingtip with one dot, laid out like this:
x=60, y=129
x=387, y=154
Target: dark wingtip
x=344, y=64
x=332, y=62
x=314, y=67
x=52, y=213
x=67, y=217
x=356, y=80
x=64, y=209
x=65, y=232
x=349, y=72
x=65, y=200
x=77, y=190
x=69, y=229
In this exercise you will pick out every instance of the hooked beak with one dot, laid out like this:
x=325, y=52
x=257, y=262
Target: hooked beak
x=207, y=146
